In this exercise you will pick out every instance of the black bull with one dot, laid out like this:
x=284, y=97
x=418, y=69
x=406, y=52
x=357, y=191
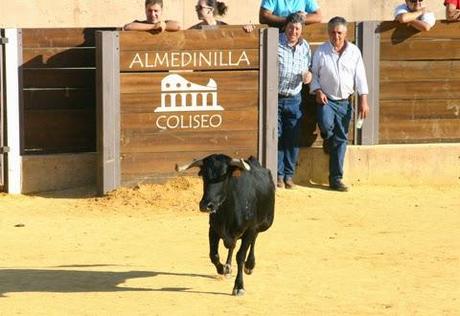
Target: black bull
x=240, y=199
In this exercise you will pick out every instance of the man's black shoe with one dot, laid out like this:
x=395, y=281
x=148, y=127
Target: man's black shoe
x=339, y=186
x=326, y=146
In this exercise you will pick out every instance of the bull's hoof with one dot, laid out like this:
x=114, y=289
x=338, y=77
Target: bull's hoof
x=247, y=270
x=238, y=292
x=227, y=270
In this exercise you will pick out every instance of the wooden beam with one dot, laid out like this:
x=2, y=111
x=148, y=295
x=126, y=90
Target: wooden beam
x=108, y=111
x=13, y=58
x=369, y=42
x=268, y=98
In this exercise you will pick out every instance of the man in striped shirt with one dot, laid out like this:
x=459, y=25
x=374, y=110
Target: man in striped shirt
x=294, y=56
x=338, y=70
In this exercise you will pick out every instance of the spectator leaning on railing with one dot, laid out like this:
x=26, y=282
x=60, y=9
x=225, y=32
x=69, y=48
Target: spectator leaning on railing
x=415, y=15
x=452, y=10
x=207, y=10
x=153, y=22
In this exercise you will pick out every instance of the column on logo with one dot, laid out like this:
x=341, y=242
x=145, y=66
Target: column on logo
x=172, y=97
x=183, y=97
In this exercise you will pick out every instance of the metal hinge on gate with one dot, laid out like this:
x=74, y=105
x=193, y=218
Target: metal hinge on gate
x=4, y=149
x=3, y=40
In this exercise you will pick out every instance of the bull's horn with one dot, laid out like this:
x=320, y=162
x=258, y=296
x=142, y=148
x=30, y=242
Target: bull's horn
x=240, y=163
x=194, y=163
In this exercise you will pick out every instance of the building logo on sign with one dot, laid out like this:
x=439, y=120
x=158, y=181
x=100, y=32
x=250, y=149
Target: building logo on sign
x=180, y=95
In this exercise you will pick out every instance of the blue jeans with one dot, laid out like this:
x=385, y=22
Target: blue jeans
x=333, y=121
x=289, y=115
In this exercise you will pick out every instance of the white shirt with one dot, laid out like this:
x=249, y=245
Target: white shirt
x=338, y=75
x=427, y=17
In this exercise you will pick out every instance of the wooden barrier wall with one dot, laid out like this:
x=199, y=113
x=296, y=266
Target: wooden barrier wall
x=59, y=92
x=419, y=83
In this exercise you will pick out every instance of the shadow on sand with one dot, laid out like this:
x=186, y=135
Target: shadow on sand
x=77, y=281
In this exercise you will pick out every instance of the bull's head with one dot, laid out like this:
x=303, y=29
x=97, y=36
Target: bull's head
x=215, y=171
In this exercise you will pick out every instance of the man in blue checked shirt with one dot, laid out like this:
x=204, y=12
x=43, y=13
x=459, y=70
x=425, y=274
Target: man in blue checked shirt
x=294, y=56
x=274, y=12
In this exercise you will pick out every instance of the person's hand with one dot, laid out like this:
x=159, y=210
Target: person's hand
x=363, y=109
x=307, y=76
x=303, y=14
x=248, y=28
x=321, y=98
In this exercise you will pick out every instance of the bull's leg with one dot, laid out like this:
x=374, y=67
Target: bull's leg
x=251, y=259
x=246, y=241
x=214, y=250
x=228, y=263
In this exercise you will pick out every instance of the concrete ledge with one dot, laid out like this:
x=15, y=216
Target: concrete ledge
x=421, y=164
x=56, y=172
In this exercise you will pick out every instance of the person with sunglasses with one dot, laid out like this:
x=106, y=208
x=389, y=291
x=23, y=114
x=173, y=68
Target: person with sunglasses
x=153, y=22
x=413, y=13
x=207, y=10
x=452, y=10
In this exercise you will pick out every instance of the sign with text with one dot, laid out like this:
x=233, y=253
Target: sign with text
x=184, y=95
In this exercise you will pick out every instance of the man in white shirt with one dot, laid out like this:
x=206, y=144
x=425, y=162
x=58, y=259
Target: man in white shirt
x=415, y=15
x=338, y=69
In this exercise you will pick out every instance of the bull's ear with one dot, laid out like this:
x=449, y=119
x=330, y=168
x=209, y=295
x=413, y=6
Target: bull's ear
x=194, y=163
x=240, y=163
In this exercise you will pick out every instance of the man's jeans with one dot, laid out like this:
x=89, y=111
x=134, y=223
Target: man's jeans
x=333, y=120
x=289, y=114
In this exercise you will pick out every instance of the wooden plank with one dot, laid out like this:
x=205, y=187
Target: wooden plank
x=419, y=70
x=439, y=49
x=394, y=32
x=231, y=82
x=435, y=109
x=50, y=131
x=188, y=141
x=222, y=38
x=429, y=89
x=147, y=102
x=59, y=99
x=228, y=120
x=60, y=37
x=59, y=78
x=215, y=59
x=419, y=131
x=318, y=32
x=108, y=173
x=59, y=58
x=154, y=167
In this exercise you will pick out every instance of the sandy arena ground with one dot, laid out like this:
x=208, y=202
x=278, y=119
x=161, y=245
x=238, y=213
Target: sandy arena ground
x=371, y=251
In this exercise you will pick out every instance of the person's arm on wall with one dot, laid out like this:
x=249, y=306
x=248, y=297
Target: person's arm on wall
x=169, y=26
x=407, y=17
x=420, y=25
x=452, y=14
